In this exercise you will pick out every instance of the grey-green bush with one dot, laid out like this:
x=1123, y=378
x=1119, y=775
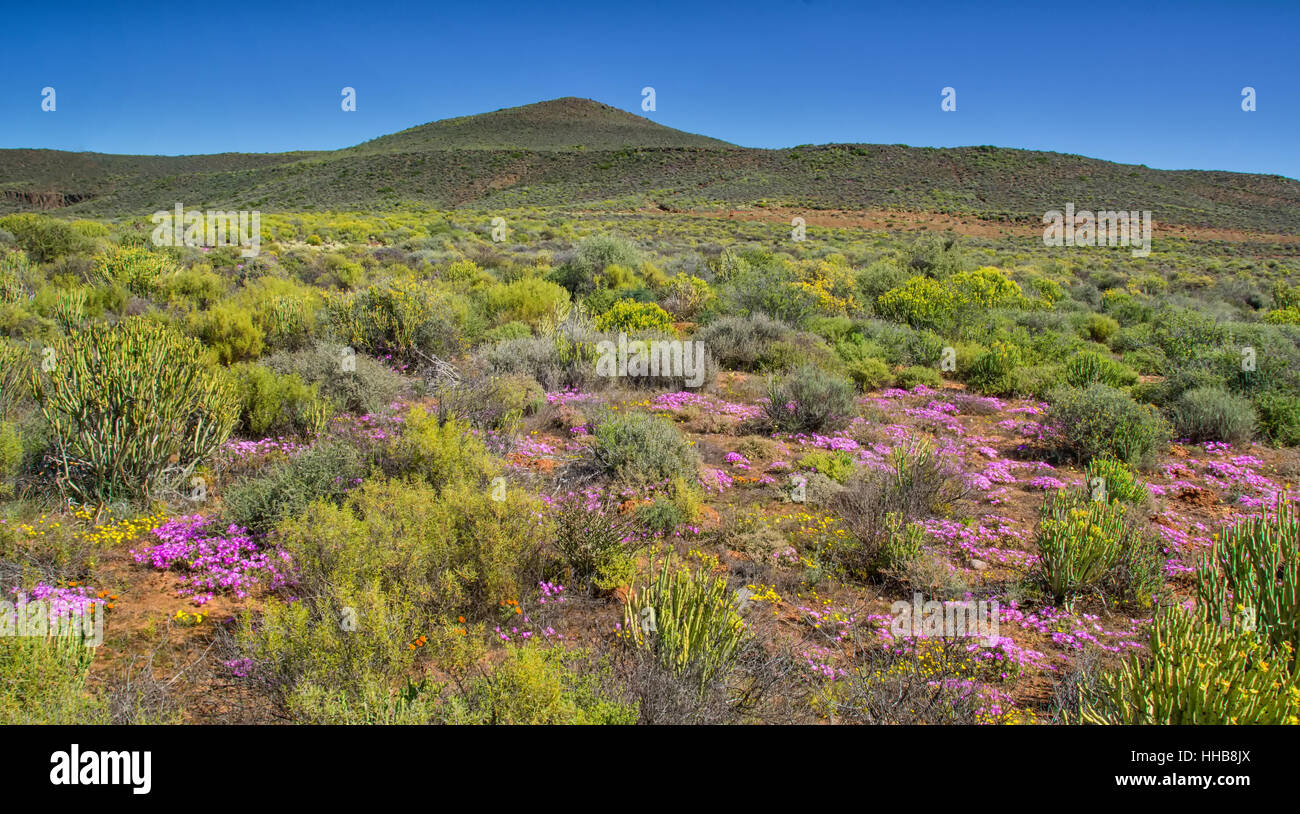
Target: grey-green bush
x=1213, y=414
x=810, y=400
x=642, y=448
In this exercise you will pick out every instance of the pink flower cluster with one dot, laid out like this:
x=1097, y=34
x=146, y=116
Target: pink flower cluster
x=212, y=561
x=563, y=397
x=676, y=402
x=72, y=603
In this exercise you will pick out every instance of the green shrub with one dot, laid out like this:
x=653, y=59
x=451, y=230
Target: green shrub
x=450, y=551
x=661, y=516
x=11, y=457
x=985, y=288
x=838, y=465
x=353, y=382
x=879, y=506
x=1101, y=421
x=640, y=448
x=910, y=377
x=1283, y=316
x=810, y=400
x=440, y=452
x=1109, y=479
x=741, y=343
x=229, y=332
x=409, y=319
x=15, y=377
x=536, y=685
x=138, y=270
x=1279, y=418
x=395, y=561
x=595, y=544
x=325, y=471
x=1232, y=660
x=337, y=654
x=920, y=302
x=1101, y=328
x=1036, y=381
x=495, y=403
x=797, y=350
x=1253, y=568
x=901, y=543
x=44, y=238
x=368, y=698
x=44, y=680
x=124, y=403
x=529, y=301
x=285, y=316
x=1146, y=361
x=869, y=373
x=635, y=317
x=1091, y=367
x=1195, y=672
x=688, y=619
x=993, y=372
x=1213, y=414
x=556, y=361
x=510, y=330
x=687, y=297
x=593, y=256
x=278, y=404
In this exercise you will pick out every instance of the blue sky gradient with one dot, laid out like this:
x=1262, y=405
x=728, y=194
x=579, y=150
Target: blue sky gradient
x=1158, y=85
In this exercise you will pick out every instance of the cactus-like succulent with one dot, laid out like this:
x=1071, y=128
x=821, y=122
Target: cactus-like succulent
x=1231, y=660
x=1197, y=672
x=689, y=619
x=1254, y=568
x=127, y=404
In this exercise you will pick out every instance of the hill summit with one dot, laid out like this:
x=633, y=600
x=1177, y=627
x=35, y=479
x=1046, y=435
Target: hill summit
x=557, y=124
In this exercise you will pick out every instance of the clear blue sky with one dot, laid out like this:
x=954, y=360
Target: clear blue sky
x=1148, y=83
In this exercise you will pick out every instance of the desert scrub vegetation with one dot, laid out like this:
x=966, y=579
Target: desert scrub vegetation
x=417, y=438
x=879, y=508
x=278, y=404
x=403, y=557
x=325, y=471
x=43, y=681
x=1213, y=414
x=551, y=686
x=595, y=542
x=1110, y=480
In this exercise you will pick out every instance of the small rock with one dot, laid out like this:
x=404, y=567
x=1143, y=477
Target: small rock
x=979, y=565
